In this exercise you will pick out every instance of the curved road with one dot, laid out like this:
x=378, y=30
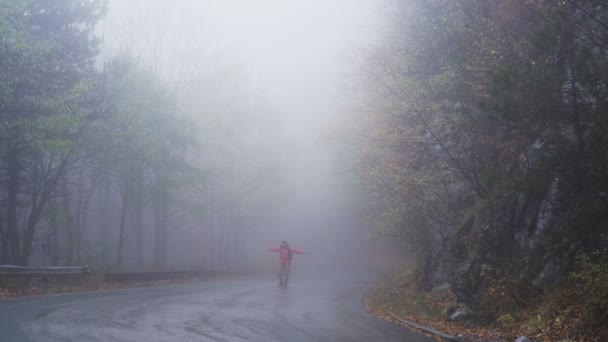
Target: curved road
x=234, y=310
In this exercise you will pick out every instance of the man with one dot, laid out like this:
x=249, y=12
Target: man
x=285, y=256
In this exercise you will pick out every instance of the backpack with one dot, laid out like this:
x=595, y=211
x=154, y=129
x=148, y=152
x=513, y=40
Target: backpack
x=288, y=252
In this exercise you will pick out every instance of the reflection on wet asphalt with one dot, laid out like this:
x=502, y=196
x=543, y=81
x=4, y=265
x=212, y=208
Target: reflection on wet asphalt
x=313, y=309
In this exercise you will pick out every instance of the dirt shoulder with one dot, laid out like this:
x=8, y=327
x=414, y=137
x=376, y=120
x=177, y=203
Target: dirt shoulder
x=13, y=288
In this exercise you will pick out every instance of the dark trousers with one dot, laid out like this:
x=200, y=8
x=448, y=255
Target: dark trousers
x=284, y=273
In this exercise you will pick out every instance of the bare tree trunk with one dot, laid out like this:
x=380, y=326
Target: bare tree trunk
x=84, y=199
x=121, y=231
x=12, y=230
x=138, y=225
x=54, y=240
x=569, y=32
x=216, y=240
x=38, y=203
x=576, y=121
x=3, y=235
x=161, y=211
x=225, y=242
x=105, y=201
x=69, y=222
x=39, y=200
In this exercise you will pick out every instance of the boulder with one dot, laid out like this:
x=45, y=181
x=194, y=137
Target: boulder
x=461, y=314
x=555, y=268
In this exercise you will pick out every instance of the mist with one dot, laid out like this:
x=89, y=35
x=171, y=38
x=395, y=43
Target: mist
x=442, y=160
x=267, y=86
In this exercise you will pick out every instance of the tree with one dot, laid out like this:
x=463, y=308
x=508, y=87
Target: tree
x=149, y=140
x=477, y=101
x=48, y=51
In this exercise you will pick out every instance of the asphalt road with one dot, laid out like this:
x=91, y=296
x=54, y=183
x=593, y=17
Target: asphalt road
x=324, y=308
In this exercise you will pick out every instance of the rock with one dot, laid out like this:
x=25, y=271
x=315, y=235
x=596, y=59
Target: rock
x=546, y=210
x=461, y=314
x=441, y=288
x=523, y=339
x=555, y=268
x=551, y=273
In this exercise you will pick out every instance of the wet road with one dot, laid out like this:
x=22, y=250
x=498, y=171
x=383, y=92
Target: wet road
x=234, y=310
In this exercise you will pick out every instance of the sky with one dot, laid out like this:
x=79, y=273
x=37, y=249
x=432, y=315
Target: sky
x=298, y=55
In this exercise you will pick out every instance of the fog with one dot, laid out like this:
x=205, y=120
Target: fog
x=280, y=78
x=179, y=135
x=451, y=150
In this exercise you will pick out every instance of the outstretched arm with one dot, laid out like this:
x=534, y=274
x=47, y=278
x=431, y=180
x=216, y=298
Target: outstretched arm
x=274, y=249
x=297, y=251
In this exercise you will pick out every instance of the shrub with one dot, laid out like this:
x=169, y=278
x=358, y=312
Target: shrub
x=500, y=293
x=591, y=281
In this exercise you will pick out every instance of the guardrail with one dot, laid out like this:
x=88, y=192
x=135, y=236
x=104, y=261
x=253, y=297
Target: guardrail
x=25, y=271
x=157, y=275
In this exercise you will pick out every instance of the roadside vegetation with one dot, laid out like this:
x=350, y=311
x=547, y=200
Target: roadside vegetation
x=484, y=149
x=47, y=285
x=124, y=157
x=44, y=286
x=572, y=310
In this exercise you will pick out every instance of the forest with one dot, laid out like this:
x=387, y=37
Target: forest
x=476, y=143
x=485, y=147
x=100, y=154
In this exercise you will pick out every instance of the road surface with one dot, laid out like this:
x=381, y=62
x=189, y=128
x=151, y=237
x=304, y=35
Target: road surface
x=315, y=309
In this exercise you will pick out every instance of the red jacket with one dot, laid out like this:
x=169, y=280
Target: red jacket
x=283, y=253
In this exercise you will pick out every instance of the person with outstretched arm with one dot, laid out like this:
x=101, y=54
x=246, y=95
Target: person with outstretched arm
x=286, y=253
